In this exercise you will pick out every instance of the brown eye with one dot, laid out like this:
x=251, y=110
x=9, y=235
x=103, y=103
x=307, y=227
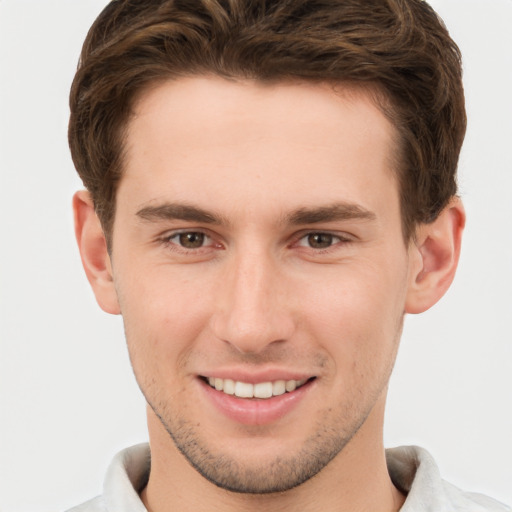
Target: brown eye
x=191, y=240
x=320, y=240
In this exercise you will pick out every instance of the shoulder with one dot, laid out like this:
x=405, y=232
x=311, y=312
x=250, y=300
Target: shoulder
x=95, y=505
x=126, y=476
x=414, y=471
x=462, y=500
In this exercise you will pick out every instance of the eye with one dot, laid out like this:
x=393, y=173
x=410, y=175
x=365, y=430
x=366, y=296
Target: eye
x=189, y=239
x=320, y=240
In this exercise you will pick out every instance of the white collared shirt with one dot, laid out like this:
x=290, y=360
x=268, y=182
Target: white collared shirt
x=412, y=470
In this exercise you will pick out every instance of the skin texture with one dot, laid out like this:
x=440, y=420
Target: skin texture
x=218, y=269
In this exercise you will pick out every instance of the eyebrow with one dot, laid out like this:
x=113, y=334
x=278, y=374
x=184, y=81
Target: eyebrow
x=313, y=215
x=178, y=211
x=330, y=213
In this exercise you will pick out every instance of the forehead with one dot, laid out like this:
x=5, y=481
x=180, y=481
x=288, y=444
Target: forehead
x=287, y=140
x=205, y=102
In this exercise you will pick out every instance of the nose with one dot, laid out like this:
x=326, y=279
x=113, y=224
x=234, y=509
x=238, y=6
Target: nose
x=253, y=308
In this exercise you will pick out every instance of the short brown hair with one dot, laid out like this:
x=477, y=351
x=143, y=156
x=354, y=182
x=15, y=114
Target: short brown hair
x=400, y=48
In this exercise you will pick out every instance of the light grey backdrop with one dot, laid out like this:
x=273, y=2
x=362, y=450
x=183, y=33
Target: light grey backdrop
x=68, y=401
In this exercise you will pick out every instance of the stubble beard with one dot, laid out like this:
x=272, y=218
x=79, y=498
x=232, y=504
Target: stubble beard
x=278, y=474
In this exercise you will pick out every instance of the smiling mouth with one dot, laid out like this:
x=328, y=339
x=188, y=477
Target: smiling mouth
x=260, y=390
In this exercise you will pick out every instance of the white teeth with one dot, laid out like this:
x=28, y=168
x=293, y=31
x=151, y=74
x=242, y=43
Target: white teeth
x=244, y=390
x=291, y=385
x=279, y=387
x=259, y=390
x=229, y=387
x=263, y=390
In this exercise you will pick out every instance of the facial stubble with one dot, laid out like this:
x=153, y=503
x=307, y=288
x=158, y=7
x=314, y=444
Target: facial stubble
x=279, y=473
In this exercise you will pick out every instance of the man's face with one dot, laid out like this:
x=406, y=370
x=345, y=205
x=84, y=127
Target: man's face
x=257, y=245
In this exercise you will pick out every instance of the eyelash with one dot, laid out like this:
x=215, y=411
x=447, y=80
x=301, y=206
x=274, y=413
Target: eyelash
x=167, y=240
x=335, y=240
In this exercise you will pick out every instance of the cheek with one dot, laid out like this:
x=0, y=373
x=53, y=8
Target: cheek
x=357, y=315
x=163, y=317
x=163, y=301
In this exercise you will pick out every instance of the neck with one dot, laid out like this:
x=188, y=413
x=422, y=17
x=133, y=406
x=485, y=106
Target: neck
x=356, y=479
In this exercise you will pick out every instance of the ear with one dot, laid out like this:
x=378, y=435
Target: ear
x=93, y=251
x=434, y=256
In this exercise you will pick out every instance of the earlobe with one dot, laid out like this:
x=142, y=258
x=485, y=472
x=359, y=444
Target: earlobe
x=93, y=251
x=436, y=256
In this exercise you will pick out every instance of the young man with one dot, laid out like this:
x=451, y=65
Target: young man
x=270, y=188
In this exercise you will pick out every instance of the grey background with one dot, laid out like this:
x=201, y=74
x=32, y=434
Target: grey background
x=68, y=401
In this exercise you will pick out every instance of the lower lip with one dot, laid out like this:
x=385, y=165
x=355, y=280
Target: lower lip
x=256, y=411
